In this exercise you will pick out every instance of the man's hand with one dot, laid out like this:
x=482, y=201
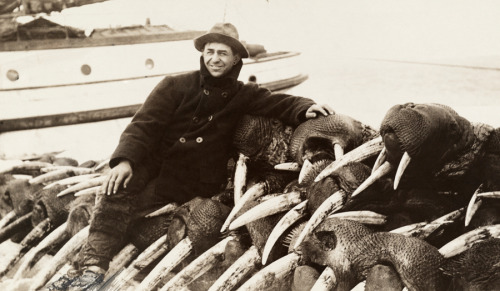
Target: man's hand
x=120, y=173
x=313, y=111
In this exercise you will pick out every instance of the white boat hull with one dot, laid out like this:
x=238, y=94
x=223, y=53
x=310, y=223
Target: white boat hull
x=54, y=105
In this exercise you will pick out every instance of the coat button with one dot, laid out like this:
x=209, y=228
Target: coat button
x=196, y=119
x=210, y=118
x=206, y=92
x=182, y=140
x=224, y=94
x=199, y=139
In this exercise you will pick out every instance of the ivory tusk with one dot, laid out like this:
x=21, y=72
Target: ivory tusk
x=62, y=256
x=57, y=235
x=15, y=226
x=326, y=281
x=338, y=151
x=383, y=170
x=254, y=192
x=285, y=222
x=120, y=260
x=164, y=210
x=466, y=240
x=72, y=180
x=405, y=161
x=8, y=218
x=97, y=181
x=60, y=174
x=240, y=177
x=364, y=151
x=169, y=262
x=362, y=216
x=88, y=191
x=304, y=171
x=269, y=207
x=199, y=266
x=331, y=204
x=274, y=272
x=380, y=159
x=291, y=166
x=493, y=194
x=154, y=251
x=237, y=271
x=472, y=207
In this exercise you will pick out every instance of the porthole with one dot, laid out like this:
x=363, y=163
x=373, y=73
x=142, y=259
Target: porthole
x=12, y=75
x=150, y=64
x=252, y=79
x=86, y=69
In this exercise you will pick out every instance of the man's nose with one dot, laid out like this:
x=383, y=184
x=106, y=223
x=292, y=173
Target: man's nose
x=215, y=58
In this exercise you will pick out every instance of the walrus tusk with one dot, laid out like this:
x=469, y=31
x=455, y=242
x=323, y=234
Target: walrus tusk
x=72, y=180
x=245, y=264
x=424, y=229
x=62, y=256
x=89, y=191
x=164, y=210
x=380, y=159
x=121, y=259
x=364, y=151
x=8, y=218
x=405, y=161
x=383, y=170
x=283, y=224
x=466, y=240
x=240, y=177
x=163, y=268
x=362, y=216
x=18, y=165
x=151, y=253
x=97, y=181
x=291, y=166
x=493, y=194
x=304, y=171
x=273, y=272
x=57, y=235
x=33, y=236
x=472, y=207
x=331, y=204
x=198, y=266
x=60, y=174
x=269, y=207
x=15, y=226
x=254, y=192
x=338, y=151
x=326, y=281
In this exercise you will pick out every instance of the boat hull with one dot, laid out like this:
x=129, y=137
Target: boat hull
x=55, y=106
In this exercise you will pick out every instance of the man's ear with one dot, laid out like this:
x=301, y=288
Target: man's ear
x=237, y=58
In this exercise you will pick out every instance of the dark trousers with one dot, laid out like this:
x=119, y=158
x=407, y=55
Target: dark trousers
x=114, y=213
x=112, y=216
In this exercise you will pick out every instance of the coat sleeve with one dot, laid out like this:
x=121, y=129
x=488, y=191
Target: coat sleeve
x=289, y=109
x=144, y=133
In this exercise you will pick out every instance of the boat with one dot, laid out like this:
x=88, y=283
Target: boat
x=62, y=86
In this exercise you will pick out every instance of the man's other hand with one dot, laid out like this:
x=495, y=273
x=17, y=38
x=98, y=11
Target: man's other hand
x=324, y=109
x=120, y=173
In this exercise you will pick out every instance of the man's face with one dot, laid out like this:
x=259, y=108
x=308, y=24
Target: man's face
x=219, y=58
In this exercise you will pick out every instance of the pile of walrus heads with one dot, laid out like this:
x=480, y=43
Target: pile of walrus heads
x=292, y=231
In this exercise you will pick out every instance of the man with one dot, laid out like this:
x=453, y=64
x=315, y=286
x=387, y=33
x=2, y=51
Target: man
x=182, y=137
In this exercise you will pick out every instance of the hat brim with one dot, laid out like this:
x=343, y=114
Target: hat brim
x=199, y=43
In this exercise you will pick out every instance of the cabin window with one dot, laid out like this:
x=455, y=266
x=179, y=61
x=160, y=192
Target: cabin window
x=12, y=75
x=86, y=69
x=150, y=64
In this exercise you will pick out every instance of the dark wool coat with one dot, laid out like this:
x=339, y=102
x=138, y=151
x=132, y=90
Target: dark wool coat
x=186, y=126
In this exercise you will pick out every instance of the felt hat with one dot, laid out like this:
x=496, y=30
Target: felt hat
x=225, y=33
